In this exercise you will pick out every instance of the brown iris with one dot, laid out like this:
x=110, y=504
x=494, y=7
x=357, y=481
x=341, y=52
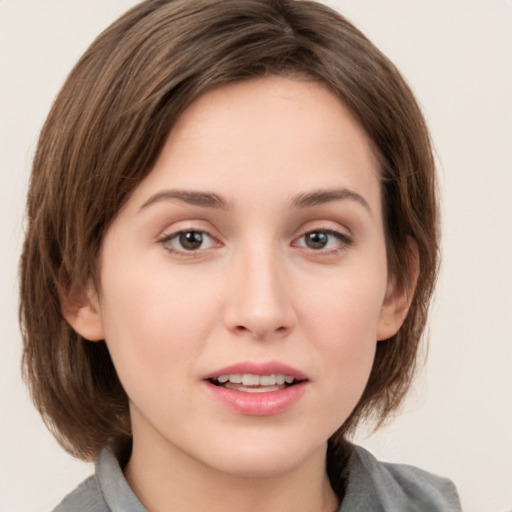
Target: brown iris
x=191, y=240
x=316, y=239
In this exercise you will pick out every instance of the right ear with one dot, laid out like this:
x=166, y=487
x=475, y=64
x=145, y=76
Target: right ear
x=82, y=312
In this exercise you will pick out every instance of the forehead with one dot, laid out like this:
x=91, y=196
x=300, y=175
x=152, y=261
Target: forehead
x=272, y=131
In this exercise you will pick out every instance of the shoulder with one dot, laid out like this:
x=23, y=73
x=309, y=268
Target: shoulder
x=105, y=491
x=374, y=485
x=85, y=498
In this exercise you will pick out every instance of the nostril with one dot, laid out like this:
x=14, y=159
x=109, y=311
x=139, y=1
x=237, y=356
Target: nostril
x=260, y=333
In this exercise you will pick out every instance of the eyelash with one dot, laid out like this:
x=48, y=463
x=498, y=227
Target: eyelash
x=166, y=241
x=343, y=242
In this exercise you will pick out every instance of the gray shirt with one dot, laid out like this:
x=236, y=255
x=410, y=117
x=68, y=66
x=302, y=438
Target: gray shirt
x=372, y=486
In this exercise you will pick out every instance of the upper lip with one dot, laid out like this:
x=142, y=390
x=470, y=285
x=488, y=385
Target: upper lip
x=255, y=368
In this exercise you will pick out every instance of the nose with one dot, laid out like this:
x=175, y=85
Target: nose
x=259, y=303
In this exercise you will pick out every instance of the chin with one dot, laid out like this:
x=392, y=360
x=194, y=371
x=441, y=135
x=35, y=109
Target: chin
x=265, y=458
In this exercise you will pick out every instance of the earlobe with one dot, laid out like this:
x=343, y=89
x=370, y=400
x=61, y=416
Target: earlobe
x=398, y=298
x=81, y=310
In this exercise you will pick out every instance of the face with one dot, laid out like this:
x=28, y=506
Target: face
x=243, y=286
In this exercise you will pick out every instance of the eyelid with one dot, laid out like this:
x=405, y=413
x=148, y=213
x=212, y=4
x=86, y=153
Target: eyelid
x=345, y=240
x=167, y=235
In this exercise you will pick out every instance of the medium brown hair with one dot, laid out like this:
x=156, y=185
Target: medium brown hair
x=105, y=131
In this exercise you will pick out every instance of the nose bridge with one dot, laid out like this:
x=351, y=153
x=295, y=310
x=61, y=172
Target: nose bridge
x=259, y=303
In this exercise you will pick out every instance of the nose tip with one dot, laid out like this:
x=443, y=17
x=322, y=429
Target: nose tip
x=259, y=304
x=262, y=328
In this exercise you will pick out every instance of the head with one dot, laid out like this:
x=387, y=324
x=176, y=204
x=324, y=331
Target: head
x=105, y=134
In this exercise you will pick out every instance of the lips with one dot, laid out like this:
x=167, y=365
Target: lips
x=257, y=389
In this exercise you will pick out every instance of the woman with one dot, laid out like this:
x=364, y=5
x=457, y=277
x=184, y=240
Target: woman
x=231, y=247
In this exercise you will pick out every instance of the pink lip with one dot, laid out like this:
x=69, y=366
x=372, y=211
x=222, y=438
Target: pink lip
x=267, y=368
x=258, y=404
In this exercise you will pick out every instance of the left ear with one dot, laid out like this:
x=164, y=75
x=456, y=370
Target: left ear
x=398, y=298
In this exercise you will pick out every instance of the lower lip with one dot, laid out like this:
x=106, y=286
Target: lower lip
x=258, y=404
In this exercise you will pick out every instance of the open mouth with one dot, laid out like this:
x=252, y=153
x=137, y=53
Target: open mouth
x=251, y=383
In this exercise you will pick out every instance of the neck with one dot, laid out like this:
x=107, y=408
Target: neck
x=166, y=481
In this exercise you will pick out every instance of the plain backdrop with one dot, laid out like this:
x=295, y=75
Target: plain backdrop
x=457, y=56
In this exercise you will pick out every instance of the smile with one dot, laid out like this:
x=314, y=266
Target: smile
x=257, y=389
x=252, y=383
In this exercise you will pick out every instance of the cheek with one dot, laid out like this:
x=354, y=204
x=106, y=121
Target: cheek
x=343, y=322
x=346, y=333
x=345, y=310
x=151, y=321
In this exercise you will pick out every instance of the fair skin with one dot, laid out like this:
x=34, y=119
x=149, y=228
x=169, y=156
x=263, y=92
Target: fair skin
x=256, y=241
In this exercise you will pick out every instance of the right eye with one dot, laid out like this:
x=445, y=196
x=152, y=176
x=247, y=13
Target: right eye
x=187, y=241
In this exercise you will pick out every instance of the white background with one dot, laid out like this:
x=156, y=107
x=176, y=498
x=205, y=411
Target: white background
x=457, y=55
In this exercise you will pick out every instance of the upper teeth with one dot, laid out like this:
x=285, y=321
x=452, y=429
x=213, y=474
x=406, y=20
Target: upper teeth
x=248, y=379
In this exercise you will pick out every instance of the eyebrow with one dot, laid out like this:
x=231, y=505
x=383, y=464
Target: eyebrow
x=318, y=197
x=194, y=198
x=211, y=200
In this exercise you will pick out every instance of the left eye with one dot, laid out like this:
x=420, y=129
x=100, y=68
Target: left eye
x=323, y=239
x=188, y=241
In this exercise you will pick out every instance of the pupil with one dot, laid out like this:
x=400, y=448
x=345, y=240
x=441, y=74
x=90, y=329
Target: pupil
x=191, y=240
x=316, y=240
